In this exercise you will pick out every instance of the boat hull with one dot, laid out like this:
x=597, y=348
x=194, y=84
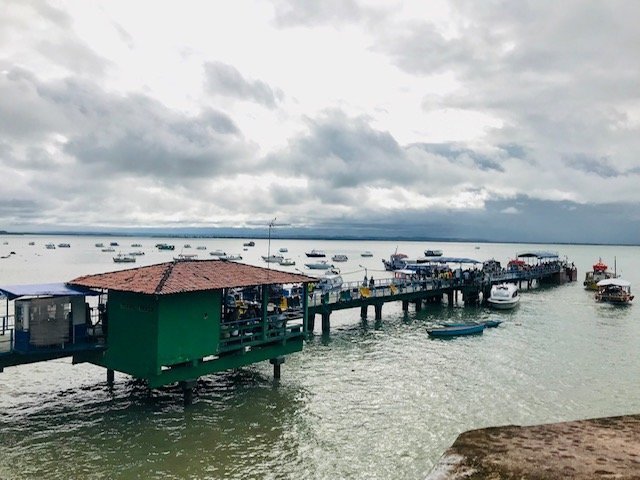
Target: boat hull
x=503, y=304
x=455, y=331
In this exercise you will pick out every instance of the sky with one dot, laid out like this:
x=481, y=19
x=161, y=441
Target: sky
x=497, y=120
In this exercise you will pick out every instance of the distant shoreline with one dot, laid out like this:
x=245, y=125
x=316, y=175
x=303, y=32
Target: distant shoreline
x=262, y=235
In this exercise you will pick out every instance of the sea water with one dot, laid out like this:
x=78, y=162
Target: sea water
x=372, y=400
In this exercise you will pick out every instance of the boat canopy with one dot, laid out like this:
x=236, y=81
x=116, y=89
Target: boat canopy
x=45, y=290
x=537, y=254
x=618, y=282
x=453, y=260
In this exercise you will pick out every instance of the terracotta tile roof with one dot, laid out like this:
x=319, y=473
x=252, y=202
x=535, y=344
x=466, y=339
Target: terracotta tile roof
x=188, y=276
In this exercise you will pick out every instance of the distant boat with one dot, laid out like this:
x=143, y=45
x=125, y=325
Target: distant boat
x=366, y=253
x=186, y=245
x=99, y=245
x=32, y=243
x=230, y=257
x=114, y=244
x=186, y=256
x=323, y=265
x=122, y=258
x=339, y=258
x=283, y=250
x=50, y=246
x=165, y=246
x=136, y=245
x=504, y=296
x=218, y=253
x=287, y=262
x=64, y=245
x=397, y=261
x=272, y=258
x=201, y=247
x=108, y=249
x=316, y=253
x=432, y=253
x=456, y=330
x=249, y=244
x=136, y=253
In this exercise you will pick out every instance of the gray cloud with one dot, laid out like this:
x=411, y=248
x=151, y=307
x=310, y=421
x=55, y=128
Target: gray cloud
x=457, y=154
x=291, y=13
x=226, y=80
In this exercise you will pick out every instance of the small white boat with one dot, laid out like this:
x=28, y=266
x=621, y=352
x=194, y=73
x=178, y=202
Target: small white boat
x=283, y=250
x=100, y=245
x=339, y=258
x=366, y=253
x=322, y=265
x=109, y=249
x=201, y=247
x=504, y=296
x=272, y=258
x=50, y=246
x=64, y=245
x=218, y=253
x=287, y=262
x=432, y=253
x=122, y=258
x=136, y=245
x=186, y=245
x=329, y=282
x=230, y=257
x=186, y=256
x=136, y=253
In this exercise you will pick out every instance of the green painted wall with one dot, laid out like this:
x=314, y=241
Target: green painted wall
x=132, y=334
x=188, y=326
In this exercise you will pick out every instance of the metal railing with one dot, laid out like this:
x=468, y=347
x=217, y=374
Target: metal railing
x=237, y=334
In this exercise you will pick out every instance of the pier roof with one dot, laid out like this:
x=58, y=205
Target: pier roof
x=188, y=276
x=43, y=290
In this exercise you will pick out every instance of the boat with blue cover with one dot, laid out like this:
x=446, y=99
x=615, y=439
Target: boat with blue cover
x=455, y=331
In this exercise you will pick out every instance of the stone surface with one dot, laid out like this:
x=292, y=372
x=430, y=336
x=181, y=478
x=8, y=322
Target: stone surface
x=602, y=448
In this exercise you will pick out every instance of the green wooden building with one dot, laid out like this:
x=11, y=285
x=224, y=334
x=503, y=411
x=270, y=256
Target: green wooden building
x=177, y=321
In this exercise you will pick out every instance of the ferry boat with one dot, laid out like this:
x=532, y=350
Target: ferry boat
x=614, y=290
x=315, y=253
x=598, y=273
x=504, y=296
x=339, y=258
x=397, y=261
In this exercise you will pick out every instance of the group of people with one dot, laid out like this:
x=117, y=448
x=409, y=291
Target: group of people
x=370, y=284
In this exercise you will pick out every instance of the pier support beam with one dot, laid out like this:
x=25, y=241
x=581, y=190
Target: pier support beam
x=418, y=305
x=363, y=311
x=450, y=298
x=326, y=325
x=405, y=305
x=110, y=377
x=276, y=362
x=378, y=309
x=187, y=391
x=311, y=322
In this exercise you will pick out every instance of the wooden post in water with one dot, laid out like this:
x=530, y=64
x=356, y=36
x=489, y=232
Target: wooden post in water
x=405, y=305
x=276, y=362
x=311, y=322
x=378, y=309
x=326, y=325
x=110, y=377
x=418, y=304
x=450, y=298
x=187, y=391
x=363, y=311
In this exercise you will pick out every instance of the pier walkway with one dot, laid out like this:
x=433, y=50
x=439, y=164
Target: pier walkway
x=473, y=285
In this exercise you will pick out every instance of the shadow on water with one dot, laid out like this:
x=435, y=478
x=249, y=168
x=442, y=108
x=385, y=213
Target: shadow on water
x=239, y=423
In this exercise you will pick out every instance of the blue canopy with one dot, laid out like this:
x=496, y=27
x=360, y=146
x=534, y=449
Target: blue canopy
x=44, y=289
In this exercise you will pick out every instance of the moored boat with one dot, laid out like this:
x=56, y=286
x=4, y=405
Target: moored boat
x=122, y=258
x=339, y=258
x=64, y=245
x=136, y=253
x=397, y=261
x=218, y=253
x=272, y=258
x=598, y=273
x=165, y=246
x=456, y=330
x=432, y=253
x=186, y=256
x=99, y=245
x=249, y=244
x=504, y=296
x=287, y=262
x=367, y=253
x=50, y=246
x=322, y=265
x=614, y=290
x=136, y=245
x=108, y=249
x=283, y=250
x=316, y=253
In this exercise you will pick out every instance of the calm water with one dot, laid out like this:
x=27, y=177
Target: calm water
x=371, y=401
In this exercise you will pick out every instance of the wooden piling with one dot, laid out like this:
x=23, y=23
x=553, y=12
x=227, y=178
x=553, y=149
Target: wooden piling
x=378, y=309
x=326, y=325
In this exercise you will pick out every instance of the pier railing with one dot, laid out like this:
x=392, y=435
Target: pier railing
x=256, y=331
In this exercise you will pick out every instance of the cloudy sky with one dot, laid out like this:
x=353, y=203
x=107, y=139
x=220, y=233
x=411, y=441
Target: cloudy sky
x=503, y=120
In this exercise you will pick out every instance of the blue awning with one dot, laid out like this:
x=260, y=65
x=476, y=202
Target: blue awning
x=44, y=290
